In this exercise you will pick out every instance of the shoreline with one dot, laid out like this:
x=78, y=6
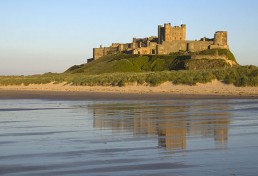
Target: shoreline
x=108, y=96
x=165, y=91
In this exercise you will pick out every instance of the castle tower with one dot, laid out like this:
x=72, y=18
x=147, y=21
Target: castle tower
x=160, y=34
x=169, y=33
x=183, y=32
x=220, y=38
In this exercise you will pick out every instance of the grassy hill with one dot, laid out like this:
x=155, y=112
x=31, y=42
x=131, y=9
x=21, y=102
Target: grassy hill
x=146, y=63
x=178, y=68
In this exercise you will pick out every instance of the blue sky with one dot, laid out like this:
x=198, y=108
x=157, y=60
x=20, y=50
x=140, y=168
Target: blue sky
x=38, y=36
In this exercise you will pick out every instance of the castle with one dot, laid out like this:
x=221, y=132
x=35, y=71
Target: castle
x=170, y=39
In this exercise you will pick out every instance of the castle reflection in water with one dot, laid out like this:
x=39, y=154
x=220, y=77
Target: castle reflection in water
x=172, y=123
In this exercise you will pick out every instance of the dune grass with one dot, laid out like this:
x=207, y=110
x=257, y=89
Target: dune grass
x=239, y=76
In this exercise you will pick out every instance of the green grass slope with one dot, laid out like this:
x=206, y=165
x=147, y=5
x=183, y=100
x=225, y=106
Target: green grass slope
x=143, y=63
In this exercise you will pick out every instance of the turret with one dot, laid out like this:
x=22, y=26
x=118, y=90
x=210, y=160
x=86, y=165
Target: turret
x=220, y=38
x=183, y=32
x=167, y=32
x=160, y=34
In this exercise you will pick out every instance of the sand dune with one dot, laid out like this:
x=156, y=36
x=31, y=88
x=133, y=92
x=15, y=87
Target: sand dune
x=213, y=88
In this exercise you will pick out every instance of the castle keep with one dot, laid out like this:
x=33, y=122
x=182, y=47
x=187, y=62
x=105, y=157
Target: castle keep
x=170, y=39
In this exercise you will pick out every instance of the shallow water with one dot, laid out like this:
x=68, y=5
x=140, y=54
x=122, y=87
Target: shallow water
x=177, y=137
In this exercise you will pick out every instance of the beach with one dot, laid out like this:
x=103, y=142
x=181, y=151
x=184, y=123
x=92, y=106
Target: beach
x=173, y=137
x=167, y=90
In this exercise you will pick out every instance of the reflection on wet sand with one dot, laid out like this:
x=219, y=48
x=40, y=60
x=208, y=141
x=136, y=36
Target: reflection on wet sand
x=172, y=133
x=169, y=122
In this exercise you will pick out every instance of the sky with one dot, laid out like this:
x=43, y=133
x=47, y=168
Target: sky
x=39, y=36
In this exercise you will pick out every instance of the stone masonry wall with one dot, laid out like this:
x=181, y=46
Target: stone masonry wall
x=170, y=39
x=97, y=53
x=195, y=46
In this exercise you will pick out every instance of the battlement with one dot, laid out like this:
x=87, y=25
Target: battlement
x=170, y=39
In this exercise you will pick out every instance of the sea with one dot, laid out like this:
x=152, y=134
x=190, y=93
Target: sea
x=180, y=137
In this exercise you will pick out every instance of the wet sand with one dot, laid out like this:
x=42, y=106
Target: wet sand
x=165, y=91
x=176, y=137
x=58, y=95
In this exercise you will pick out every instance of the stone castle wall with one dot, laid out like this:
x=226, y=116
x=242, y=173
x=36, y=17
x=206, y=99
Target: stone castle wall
x=170, y=39
x=97, y=53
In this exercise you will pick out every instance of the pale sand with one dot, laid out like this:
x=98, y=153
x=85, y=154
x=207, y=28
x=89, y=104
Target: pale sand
x=214, y=88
